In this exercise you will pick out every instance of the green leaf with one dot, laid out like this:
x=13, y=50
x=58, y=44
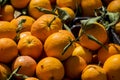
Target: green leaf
x=46, y=11
x=91, y=37
x=66, y=27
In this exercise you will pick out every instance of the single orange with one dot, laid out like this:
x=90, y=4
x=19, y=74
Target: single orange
x=96, y=30
x=74, y=66
x=7, y=30
x=8, y=50
x=19, y=4
x=30, y=46
x=4, y=71
x=31, y=78
x=56, y=43
x=104, y=54
x=88, y=7
x=112, y=67
x=114, y=6
x=93, y=72
x=28, y=65
x=34, y=12
x=26, y=26
x=7, y=12
x=50, y=68
x=83, y=52
x=68, y=3
x=117, y=28
x=45, y=26
x=24, y=34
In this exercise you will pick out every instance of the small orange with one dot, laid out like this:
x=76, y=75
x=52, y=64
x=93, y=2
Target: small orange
x=114, y=6
x=104, y=54
x=28, y=65
x=68, y=3
x=31, y=78
x=7, y=12
x=88, y=7
x=38, y=3
x=96, y=30
x=93, y=72
x=19, y=4
x=26, y=26
x=117, y=28
x=8, y=50
x=70, y=12
x=7, y=30
x=74, y=66
x=45, y=26
x=56, y=42
x=50, y=68
x=30, y=46
x=83, y=52
x=112, y=67
x=24, y=34
x=4, y=71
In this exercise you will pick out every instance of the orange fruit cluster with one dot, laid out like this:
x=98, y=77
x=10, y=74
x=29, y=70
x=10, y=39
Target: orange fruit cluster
x=36, y=42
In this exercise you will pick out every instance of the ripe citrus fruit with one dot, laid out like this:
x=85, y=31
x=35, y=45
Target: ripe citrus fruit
x=19, y=4
x=112, y=67
x=26, y=26
x=114, y=6
x=117, y=28
x=24, y=34
x=32, y=10
x=68, y=3
x=88, y=7
x=74, y=66
x=50, y=68
x=7, y=12
x=103, y=53
x=93, y=72
x=7, y=30
x=28, y=65
x=8, y=50
x=4, y=71
x=31, y=78
x=45, y=26
x=96, y=30
x=84, y=53
x=30, y=46
x=56, y=43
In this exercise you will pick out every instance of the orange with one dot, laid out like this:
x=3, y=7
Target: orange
x=103, y=53
x=8, y=50
x=7, y=30
x=96, y=30
x=7, y=12
x=50, y=68
x=4, y=71
x=70, y=12
x=84, y=53
x=45, y=26
x=114, y=6
x=68, y=3
x=56, y=42
x=28, y=65
x=88, y=7
x=24, y=34
x=35, y=13
x=117, y=28
x=26, y=26
x=31, y=78
x=93, y=72
x=112, y=67
x=30, y=46
x=74, y=66
x=19, y=4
